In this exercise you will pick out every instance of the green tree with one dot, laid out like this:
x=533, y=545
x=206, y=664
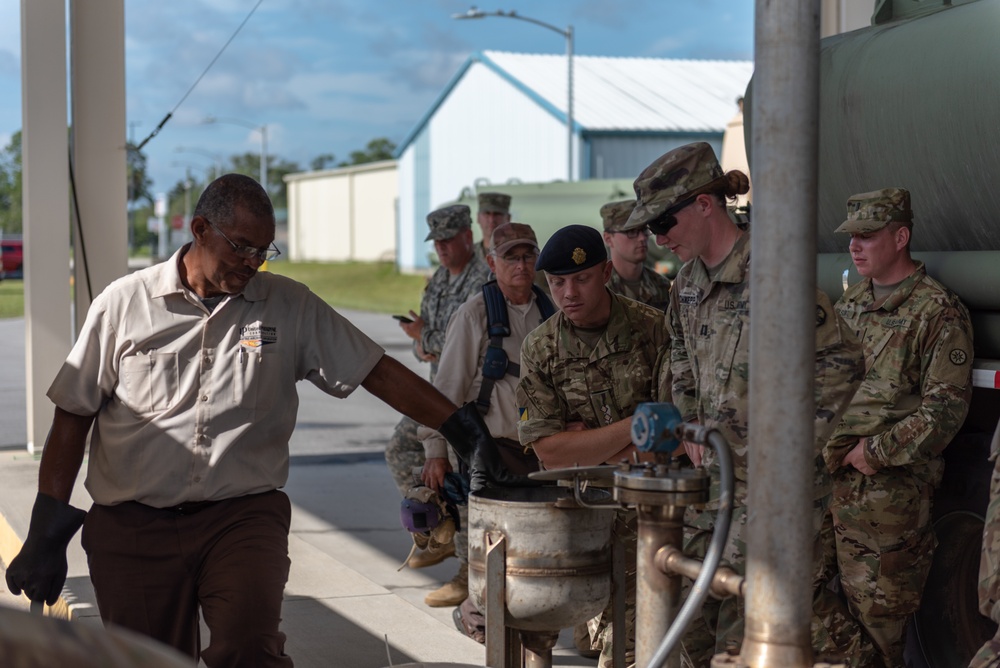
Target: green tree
x=10, y=186
x=379, y=148
x=322, y=161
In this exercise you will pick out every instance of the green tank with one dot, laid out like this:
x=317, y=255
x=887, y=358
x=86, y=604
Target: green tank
x=912, y=101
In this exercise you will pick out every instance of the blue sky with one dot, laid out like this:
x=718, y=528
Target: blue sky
x=326, y=76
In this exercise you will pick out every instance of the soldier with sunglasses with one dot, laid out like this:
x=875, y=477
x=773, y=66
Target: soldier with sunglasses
x=682, y=198
x=630, y=277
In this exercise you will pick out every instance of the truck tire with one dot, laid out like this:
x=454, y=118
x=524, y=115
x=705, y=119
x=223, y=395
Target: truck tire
x=948, y=629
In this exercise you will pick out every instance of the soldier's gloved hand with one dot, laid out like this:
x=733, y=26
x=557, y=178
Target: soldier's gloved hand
x=40, y=567
x=467, y=433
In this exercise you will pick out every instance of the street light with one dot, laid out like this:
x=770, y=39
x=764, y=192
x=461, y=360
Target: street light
x=262, y=129
x=475, y=13
x=216, y=158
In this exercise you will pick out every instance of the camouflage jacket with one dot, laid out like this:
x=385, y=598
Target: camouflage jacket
x=918, y=382
x=651, y=288
x=709, y=331
x=563, y=380
x=441, y=299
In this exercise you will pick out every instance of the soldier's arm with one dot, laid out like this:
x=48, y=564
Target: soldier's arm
x=683, y=390
x=589, y=447
x=840, y=368
x=456, y=373
x=946, y=389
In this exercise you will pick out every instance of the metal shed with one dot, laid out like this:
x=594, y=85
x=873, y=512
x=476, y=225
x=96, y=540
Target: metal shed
x=502, y=120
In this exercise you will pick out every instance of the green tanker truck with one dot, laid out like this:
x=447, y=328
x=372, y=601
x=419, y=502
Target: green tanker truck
x=913, y=101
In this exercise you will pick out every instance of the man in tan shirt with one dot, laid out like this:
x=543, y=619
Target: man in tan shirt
x=514, y=249
x=187, y=372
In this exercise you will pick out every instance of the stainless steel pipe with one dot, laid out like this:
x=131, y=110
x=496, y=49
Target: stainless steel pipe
x=784, y=168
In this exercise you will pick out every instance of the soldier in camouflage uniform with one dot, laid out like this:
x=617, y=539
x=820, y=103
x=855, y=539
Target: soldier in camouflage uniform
x=682, y=198
x=988, y=655
x=459, y=277
x=583, y=373
x=630, y=276
x=494, y=210
x=885, y=455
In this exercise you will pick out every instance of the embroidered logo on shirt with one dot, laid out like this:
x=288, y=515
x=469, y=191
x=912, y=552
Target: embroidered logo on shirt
x=958, y=356
x=522, y=414
x=256, y=335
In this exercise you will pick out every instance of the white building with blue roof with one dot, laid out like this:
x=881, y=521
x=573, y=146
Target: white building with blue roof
x=502, y=119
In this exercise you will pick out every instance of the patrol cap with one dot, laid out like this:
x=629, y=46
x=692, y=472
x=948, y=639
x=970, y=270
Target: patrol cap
x=615, y=214
x=571, y=249
x=447, y=222
x=670, y=180
x=494, y=203
x=511, y=235
x=870, y=212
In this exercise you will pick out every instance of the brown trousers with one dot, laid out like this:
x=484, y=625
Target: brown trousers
x=152, y=568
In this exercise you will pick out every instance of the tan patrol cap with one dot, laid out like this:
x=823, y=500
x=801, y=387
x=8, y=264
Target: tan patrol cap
x=870, y=212
x=669, y=181
x=447, y=222
x=511, y=235
x=615, y=214
x=494, y=203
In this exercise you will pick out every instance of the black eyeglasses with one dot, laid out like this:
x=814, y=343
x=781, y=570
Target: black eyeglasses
x=248, y=252
x=634, y=234
x=664, y=223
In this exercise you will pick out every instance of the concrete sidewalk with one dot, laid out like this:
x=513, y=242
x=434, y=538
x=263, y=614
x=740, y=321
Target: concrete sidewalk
x=346, y=605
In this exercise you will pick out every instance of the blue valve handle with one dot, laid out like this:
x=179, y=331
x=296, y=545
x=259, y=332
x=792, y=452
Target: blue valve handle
x=654, y=427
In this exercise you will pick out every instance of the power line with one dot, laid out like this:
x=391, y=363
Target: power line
x=166, y=118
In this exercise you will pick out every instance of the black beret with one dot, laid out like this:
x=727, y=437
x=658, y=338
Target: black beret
x=572, y=249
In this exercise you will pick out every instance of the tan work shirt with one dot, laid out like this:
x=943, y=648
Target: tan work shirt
x=193, y=405
x=460, y=371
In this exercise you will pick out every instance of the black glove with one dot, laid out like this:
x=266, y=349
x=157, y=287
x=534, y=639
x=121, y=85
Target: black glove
x=467, y=433
x=40, y=567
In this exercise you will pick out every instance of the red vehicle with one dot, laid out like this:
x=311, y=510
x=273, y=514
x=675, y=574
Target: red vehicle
x=12, y=258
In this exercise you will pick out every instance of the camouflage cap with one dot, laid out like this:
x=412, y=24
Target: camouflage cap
x=870, y=212
x=670, y=179
x=572, y=249
x=615, y=214
x=449, y=221
x=511, y=235
x=494, y=203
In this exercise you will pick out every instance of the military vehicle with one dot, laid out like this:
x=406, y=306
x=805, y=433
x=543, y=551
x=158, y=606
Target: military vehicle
x=912, y=101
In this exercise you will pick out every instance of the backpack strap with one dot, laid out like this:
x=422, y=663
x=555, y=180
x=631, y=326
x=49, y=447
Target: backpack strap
x=496, y=364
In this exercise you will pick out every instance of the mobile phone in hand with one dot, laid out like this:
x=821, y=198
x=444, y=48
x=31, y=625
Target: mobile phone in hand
x=403, y=318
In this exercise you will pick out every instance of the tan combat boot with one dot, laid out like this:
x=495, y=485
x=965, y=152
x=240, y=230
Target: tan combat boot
x=452, y=593
x=432, y=552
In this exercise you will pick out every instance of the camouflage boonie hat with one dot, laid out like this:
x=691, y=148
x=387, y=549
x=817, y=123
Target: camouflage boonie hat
x=447, y=222
x=870, y=212
x=615, y=214
x=669, y=179
x=572, y=249
x=494, y=203
x=511, y=235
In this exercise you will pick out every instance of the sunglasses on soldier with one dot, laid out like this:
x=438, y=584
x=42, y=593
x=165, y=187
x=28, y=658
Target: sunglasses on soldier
x=665, y=222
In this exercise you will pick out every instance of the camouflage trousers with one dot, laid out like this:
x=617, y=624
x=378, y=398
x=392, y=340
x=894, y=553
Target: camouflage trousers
x=885, y=545
x=989, y=574
x=601, y=631
x=404, y=453
x=835, y=635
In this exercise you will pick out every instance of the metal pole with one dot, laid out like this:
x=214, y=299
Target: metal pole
x=657, y=594
x=569, y=104
x=782, y=334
